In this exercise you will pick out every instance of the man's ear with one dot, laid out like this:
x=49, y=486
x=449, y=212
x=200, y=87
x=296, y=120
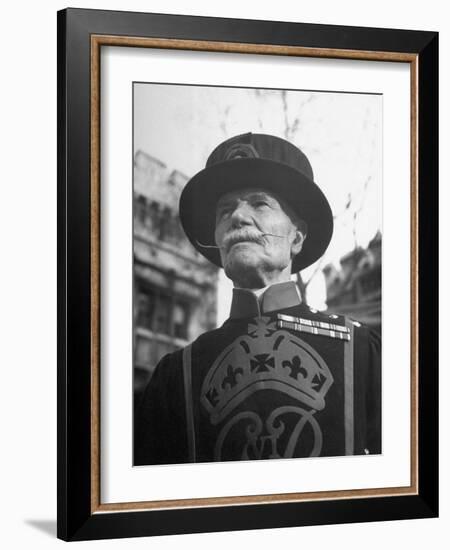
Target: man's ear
x=297, y=243
x=301, y=231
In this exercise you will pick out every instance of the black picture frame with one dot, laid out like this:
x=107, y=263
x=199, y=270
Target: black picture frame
x=78, y=515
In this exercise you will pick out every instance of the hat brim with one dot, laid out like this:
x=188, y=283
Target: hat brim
x=200, y=195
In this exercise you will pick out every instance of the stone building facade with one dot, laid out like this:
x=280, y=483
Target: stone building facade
x=355, y=288
x=175, y=288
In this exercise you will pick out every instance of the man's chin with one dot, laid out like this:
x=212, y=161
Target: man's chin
x=242, y=267
x=242, y=258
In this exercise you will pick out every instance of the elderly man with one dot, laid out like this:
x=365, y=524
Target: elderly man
x=277, y=379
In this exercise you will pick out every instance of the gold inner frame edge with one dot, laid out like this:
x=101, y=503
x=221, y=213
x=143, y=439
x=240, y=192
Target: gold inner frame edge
x=97, y=41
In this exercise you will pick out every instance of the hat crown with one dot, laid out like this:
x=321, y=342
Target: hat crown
x=261, y=146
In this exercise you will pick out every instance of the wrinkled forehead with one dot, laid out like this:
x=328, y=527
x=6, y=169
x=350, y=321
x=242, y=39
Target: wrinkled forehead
x=257, y=193
x=247, y=194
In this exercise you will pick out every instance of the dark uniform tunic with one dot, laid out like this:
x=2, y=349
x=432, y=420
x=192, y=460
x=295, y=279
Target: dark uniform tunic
x=276, y=380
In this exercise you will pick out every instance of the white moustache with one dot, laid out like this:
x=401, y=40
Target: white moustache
x=242, y=236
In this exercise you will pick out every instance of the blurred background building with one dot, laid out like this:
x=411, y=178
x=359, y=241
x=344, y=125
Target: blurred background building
x=175, y=288
x=355, y=288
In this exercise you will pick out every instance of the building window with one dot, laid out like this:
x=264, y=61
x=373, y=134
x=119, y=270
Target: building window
x=141, y=208
x=180, y=320
x=143, y=351
x=145, y=309
x=161, y=313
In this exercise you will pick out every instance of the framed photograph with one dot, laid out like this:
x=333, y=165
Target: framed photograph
x=247, y=271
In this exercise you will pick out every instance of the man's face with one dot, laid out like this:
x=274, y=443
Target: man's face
x=256, y=236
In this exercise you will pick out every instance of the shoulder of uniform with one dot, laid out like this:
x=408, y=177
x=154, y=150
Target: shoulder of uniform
x=312, y=315
x=342, y=319
x=206, y=336
x=355, y=322
x=326, y=317
x=361, y=329
x=169, y=359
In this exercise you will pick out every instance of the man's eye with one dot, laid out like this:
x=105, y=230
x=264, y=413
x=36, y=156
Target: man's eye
x=223, y=212
x=260, y=203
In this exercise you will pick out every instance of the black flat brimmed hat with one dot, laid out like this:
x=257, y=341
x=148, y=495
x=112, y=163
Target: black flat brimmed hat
x=264, y=162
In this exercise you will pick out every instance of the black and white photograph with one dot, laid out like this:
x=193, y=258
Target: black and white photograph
x=257, y=261
x=225, y=247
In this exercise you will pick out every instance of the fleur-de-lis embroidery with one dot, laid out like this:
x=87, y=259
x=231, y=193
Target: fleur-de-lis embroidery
x=295, y=368
x=232, y=377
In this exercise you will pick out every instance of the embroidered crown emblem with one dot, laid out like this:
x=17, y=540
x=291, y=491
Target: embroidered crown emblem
x=265, y=358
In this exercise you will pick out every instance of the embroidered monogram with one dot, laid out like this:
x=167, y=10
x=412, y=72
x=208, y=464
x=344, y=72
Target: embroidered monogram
x=259, y=445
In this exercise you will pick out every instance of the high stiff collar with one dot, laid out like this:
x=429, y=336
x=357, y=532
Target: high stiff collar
x=245, y=303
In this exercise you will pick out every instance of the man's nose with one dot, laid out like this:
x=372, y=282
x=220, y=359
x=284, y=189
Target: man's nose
x=241, y=215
